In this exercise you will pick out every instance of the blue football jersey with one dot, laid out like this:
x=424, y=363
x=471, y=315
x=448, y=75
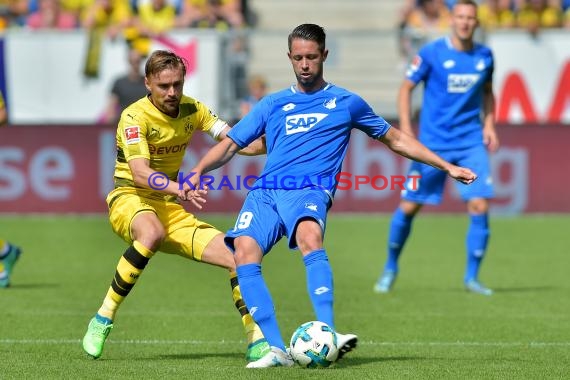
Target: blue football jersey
x=307, y=135
x=454, y=80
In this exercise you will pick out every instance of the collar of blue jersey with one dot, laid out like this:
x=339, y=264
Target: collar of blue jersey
x=324, y=87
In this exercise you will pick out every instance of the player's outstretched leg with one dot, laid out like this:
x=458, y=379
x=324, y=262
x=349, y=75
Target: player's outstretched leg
x=346, y=343
x=129, y=269
x=257, y=346
x=255, y=292
x=9, y=254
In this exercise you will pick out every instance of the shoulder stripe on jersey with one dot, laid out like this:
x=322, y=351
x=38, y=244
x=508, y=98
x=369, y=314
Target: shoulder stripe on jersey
x=187, y=109
x=121, y=156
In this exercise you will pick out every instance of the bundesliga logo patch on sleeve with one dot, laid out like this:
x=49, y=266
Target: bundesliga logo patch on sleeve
x=132, y=134
x=416, y=63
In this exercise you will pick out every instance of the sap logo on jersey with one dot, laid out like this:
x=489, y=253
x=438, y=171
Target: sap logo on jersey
x=302, y=123
x=460, y=83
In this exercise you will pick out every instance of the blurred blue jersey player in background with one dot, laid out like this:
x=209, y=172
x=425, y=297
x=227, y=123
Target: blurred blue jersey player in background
x=307, y=129
x=458, y=93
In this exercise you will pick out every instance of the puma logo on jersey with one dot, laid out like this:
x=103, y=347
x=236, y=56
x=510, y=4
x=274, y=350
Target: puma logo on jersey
x=302, y=123
x=461, y=83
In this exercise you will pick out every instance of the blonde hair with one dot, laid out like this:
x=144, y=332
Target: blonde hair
x=161, y=60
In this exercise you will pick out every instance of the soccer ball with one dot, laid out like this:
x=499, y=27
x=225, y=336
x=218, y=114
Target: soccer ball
x=314, y=344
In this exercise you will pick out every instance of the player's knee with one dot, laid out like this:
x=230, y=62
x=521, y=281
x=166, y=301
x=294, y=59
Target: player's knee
x=308, y=235
x=309, y=243
x=242, y=257
x=152, y=237
x=410, y=208
x=478, y=206
x=247, y=250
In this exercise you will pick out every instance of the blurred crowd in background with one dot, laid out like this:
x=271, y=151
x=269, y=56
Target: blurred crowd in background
x=135, y=20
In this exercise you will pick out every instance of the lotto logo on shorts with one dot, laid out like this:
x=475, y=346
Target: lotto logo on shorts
x=132, y=134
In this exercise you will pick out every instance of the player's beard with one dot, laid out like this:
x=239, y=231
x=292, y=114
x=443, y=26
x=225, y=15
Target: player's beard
x=311, y=82
x=170, y=107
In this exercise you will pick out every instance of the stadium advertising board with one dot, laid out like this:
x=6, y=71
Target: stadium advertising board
x=69, y=169
x=532, y=76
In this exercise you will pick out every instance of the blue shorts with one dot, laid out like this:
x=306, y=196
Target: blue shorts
x=429, y=187
x=269, y=214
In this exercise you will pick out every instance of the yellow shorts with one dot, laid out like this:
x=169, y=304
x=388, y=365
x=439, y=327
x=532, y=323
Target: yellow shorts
x=185, y=234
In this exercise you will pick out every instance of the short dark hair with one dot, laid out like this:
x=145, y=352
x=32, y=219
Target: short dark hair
x=466, y=2
x=161, y=60
x=310, y=32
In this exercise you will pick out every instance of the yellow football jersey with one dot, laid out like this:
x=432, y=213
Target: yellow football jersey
x=120, y=14
x=159, y=21
x=146, y=132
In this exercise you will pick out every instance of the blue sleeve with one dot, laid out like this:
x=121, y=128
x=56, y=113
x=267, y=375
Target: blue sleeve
x=365, y=119
x=252, y=126
x=420, y=66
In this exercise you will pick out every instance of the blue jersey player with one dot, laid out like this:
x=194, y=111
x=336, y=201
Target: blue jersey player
x=457, y=122
x=307, y=129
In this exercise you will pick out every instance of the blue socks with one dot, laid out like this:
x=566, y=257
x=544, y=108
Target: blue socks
x=476, y=244
x=399, y=231
x=258, y=300
x=320, y=285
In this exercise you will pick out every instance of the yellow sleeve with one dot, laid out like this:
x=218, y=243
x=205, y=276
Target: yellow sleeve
x=132, y=136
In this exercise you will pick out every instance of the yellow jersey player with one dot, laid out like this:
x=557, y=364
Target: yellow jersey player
x=144, y=207
x=9, y=253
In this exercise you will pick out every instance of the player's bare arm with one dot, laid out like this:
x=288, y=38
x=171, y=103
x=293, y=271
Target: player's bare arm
x=407, y=146
x=256, y=148
x=405, y=106
x=141, y=172
x=217, y=156
x=490, y=137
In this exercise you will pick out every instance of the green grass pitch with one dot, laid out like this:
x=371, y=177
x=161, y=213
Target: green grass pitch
x=179, y=321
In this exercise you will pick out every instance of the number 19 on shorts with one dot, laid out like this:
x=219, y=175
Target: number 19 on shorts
x=243, y=221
